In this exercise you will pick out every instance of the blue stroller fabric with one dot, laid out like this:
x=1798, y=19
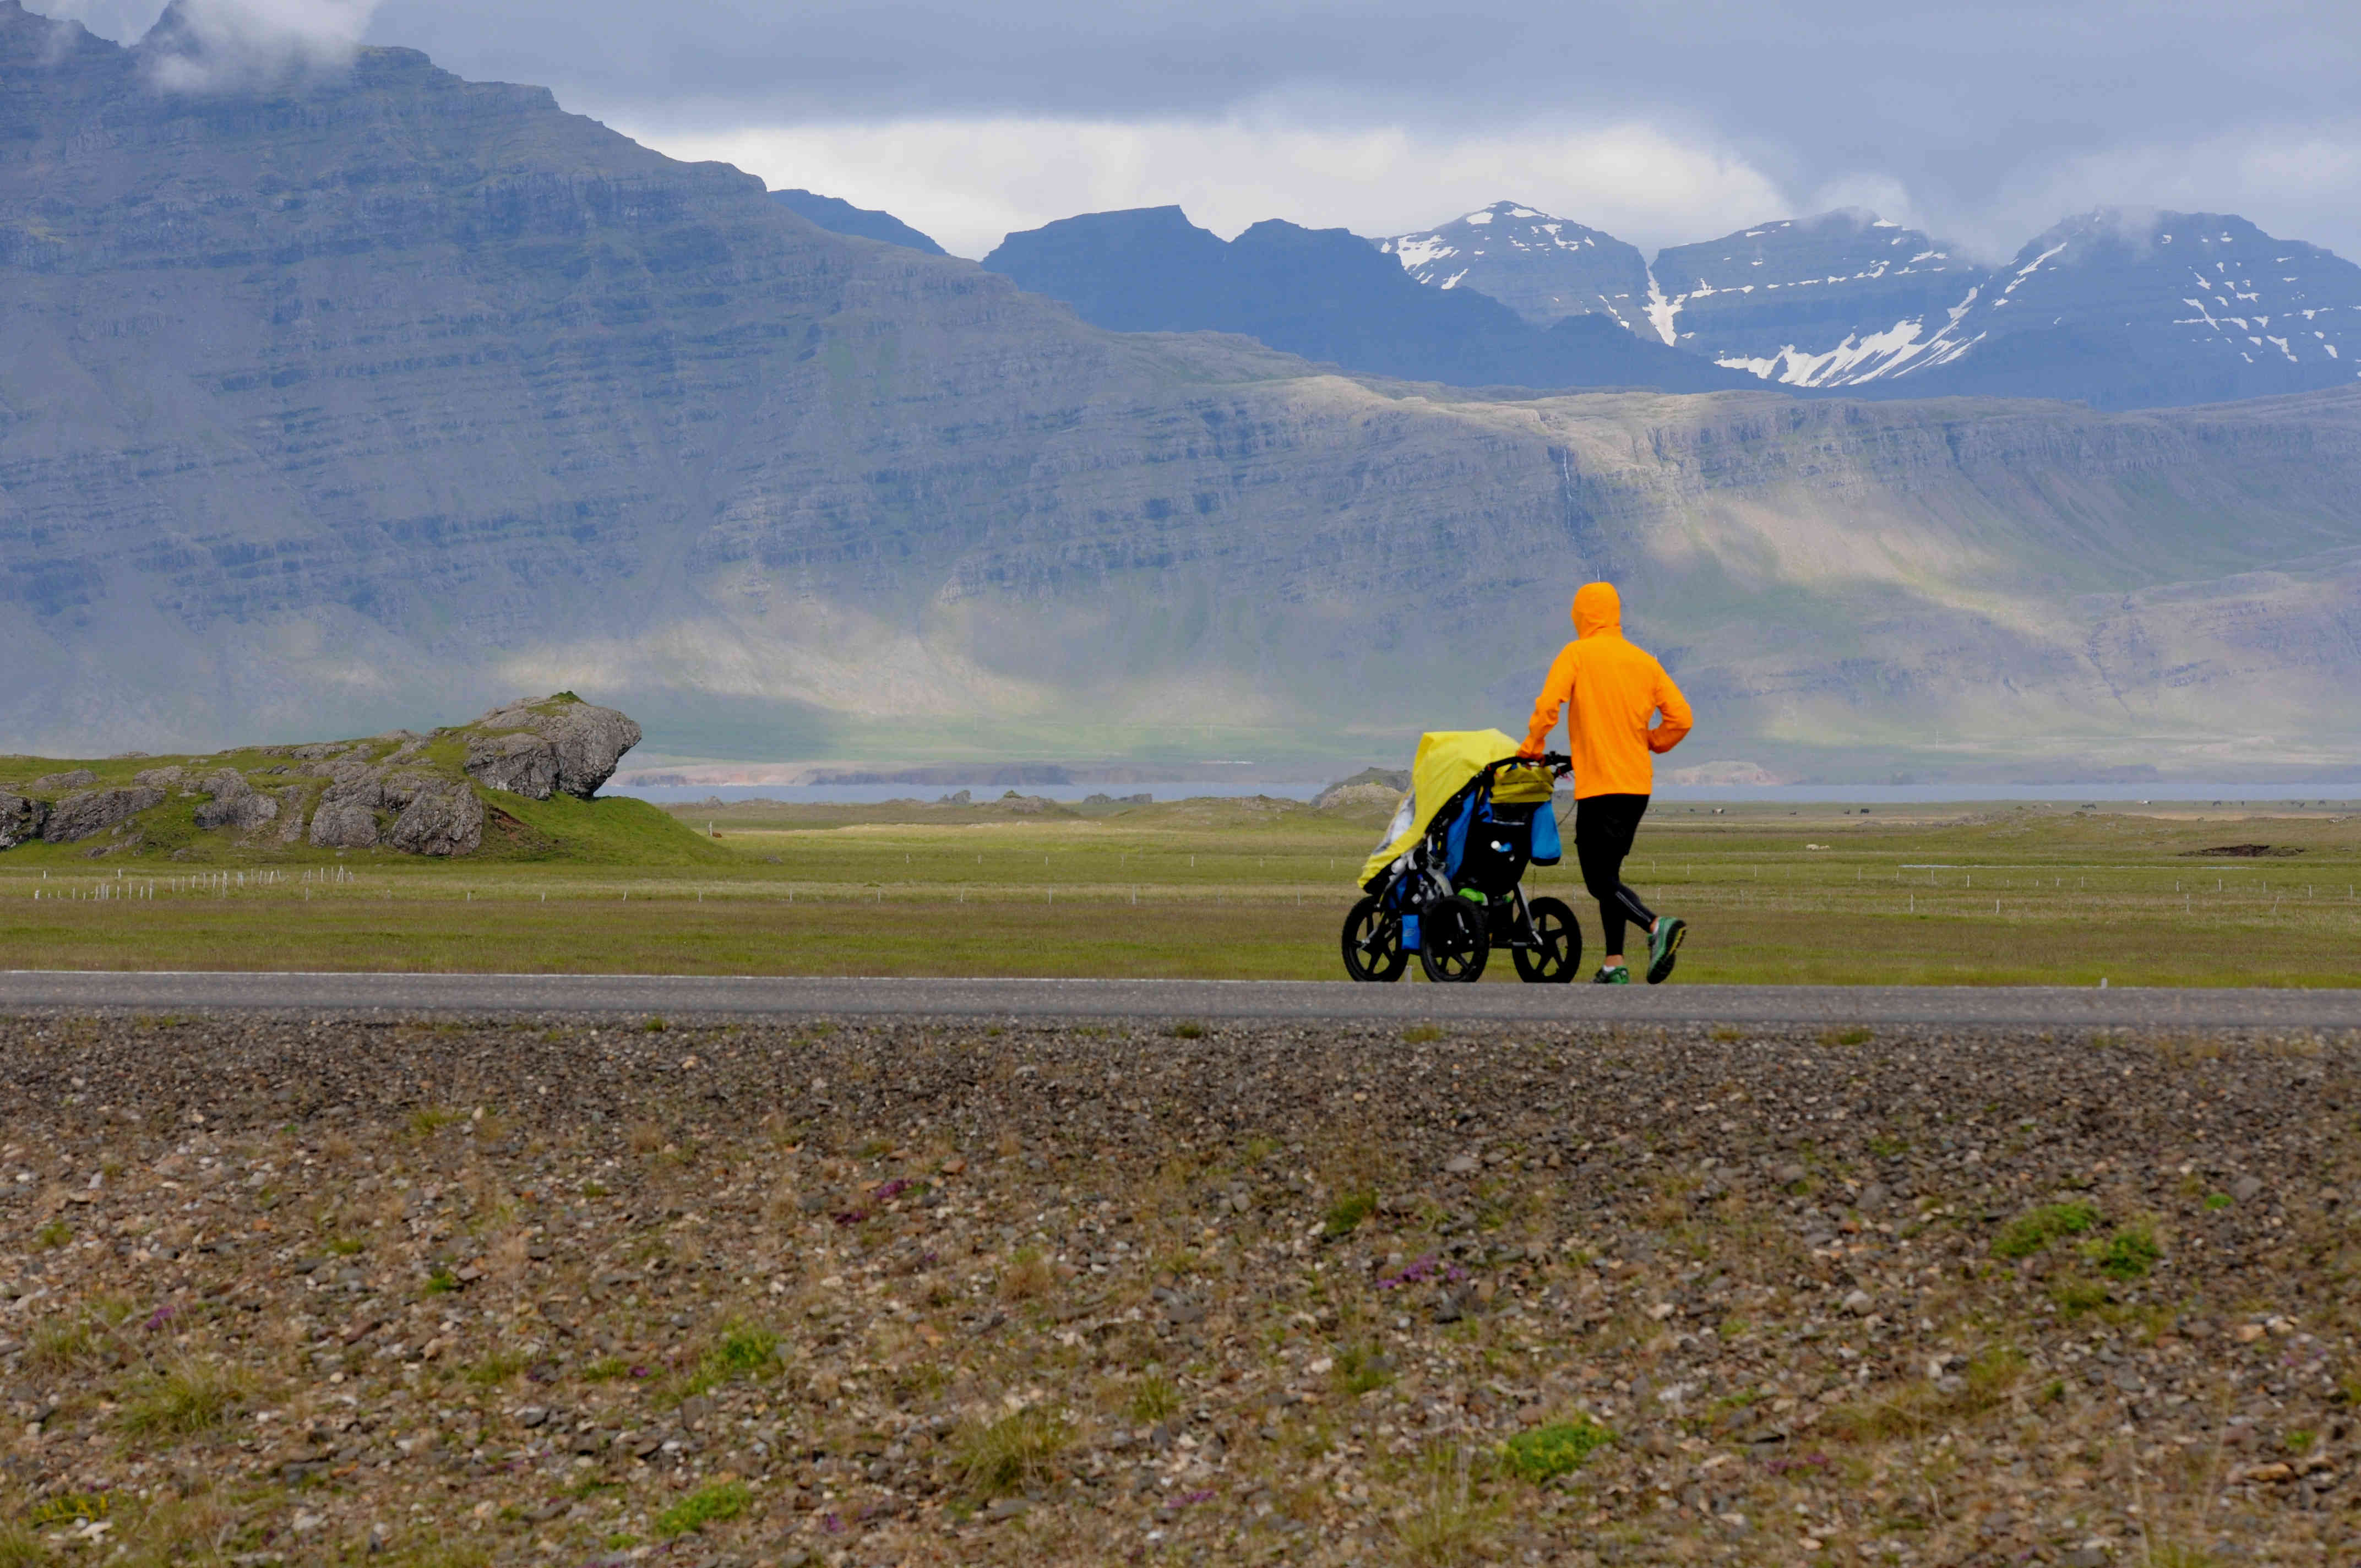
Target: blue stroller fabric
x=1546, y=849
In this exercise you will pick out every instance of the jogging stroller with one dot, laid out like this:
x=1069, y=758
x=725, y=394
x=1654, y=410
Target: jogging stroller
x=1444, y=882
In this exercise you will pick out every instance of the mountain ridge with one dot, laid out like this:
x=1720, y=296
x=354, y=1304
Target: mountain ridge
x=1324, y=294
x=2094, y=309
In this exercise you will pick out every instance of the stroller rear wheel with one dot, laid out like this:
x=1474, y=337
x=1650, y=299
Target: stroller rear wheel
x=1373, y=948
x=1453, y=943
x=1556, y=953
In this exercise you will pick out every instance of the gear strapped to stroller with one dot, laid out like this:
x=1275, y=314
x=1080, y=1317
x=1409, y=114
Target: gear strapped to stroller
x=1445, y=882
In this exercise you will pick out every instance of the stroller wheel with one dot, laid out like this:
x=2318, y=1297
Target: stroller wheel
x=1557, y=954
x=1453, y=943
x=1372, y=943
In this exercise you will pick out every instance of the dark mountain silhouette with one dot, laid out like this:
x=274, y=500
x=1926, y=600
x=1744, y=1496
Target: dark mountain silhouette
x=1330, y=296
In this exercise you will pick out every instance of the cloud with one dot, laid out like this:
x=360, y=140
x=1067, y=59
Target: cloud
x=969, y=181
x=2297, y=182
x=213, y=45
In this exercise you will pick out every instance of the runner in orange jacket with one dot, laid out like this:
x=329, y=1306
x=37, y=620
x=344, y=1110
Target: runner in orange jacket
x=1613, y=688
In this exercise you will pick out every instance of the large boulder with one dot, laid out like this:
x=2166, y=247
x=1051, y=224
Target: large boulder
x=518, y=762
x=20, y=820
x=441, y=816
x=76, y=778
x=345, y=817
x=235, y=802
x=585, y=741
x=78, y=816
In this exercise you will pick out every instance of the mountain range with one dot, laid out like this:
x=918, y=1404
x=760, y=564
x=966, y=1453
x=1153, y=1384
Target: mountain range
x=326, y=402
x=2114, y=309
x=1324, y=294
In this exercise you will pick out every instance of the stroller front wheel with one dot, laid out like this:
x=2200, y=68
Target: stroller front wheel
x=1372, y=943
x=1453, y=943
x=1556, y=953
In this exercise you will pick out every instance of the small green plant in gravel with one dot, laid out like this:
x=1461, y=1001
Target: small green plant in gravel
x=1448, y=1525
x=2219, y=1200
x=1360, y=1370
x=2078, y=1295
x=191, y=1398
x=53, y=1235
x=744, y=1351
x=21, y=1547
x=498, y=1368
x=2036, y=1229
x=346, y=1246
x=1543, y=1453
x=1155, y=1399
x=708, y=1504
x=60, y=1343
x=429, y=1120
x=2129, y=1253
x=1028, y=1275
x=1422, y=1034
x=997, y=1457
x=1188, y=1031
x=1347, y=1212
x=441, y=1281
x=1852, y=1036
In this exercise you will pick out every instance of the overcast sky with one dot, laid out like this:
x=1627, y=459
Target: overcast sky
x=1659, y=120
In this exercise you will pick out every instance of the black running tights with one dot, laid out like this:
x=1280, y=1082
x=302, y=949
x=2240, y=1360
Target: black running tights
x=1603, y=828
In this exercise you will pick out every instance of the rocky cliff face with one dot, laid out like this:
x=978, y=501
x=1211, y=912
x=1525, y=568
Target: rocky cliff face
x=397, y=392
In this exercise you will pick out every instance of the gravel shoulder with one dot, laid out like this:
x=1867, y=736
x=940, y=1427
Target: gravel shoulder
x=285, y=1289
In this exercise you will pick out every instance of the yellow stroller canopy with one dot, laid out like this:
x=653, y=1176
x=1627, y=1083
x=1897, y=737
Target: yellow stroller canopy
x=1446, y=759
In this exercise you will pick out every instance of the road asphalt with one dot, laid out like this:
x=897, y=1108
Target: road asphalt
x=1278, y=1001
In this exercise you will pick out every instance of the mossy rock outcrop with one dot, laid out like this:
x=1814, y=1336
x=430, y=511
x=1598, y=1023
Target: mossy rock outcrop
x=435, y=794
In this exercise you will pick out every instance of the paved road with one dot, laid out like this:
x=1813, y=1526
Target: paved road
x=1307, y=1001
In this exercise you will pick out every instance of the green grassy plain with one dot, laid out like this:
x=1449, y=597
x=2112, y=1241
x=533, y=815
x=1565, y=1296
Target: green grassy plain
x=1227, y=889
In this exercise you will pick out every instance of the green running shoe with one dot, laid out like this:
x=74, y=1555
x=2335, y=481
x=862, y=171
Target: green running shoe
x=1618, y=975
x=1665, y=946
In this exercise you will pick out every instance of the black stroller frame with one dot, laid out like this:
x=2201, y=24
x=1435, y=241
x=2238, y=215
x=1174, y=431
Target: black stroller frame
x=1452, y=912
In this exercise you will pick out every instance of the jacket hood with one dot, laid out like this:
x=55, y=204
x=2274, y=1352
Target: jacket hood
x=1597, y=607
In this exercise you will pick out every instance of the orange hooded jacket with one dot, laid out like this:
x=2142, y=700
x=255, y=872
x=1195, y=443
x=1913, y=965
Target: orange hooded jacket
x=1614, y=688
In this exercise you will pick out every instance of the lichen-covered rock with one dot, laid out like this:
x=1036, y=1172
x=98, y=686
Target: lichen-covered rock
x=75, y=778
x=519, y=761
x=235, y=802
x=443, y=816
x=77, y=817
x=167, y=778
x=20, y=820
x=345, y=817
x=588, y=741
x=290, y=814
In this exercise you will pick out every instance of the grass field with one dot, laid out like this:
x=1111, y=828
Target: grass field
x=1236, y=889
